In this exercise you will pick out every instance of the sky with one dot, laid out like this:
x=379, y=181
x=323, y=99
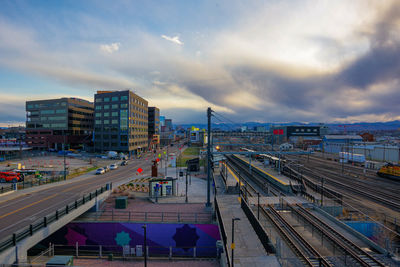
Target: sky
x=261, y=61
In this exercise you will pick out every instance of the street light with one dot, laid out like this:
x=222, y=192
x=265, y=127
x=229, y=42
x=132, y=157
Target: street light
x=233, y=238
x=65, y=168
x=186, y=194
x=145, y=245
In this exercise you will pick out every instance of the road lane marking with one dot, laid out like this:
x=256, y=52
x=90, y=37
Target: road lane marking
x=27, y=206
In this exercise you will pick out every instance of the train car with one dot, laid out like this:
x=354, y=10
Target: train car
x=390, y=171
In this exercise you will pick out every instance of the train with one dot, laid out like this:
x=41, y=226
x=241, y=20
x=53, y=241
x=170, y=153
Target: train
x=390, y=171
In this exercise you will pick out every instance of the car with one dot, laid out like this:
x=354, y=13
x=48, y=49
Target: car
x=106, y=168
x=100, y=171
x=124, y=163
x=113, y=166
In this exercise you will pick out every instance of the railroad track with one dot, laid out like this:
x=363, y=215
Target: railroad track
x=350, y=248
x=383, y=198
x=258, y=180
x=308, y=255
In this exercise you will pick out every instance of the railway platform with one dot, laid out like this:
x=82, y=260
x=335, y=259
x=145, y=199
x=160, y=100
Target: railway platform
x=268, y=171
x=249, y=250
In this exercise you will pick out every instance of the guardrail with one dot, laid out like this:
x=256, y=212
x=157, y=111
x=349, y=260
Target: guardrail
x=46, y=220
x=142, y=216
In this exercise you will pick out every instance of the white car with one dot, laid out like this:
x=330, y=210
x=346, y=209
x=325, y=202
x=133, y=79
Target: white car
x=113, y=166
x=100, y=171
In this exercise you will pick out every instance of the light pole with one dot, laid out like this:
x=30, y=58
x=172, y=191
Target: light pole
x=145, y=245
x=258, y=205
x=65, y=168
x=233, y=238
x=186, y=194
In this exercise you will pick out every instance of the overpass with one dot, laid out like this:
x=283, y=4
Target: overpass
x=28, y=216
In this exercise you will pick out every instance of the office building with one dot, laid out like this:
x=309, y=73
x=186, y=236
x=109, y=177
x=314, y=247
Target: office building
x=121, y=122
x=154, y=127
x=53, y=122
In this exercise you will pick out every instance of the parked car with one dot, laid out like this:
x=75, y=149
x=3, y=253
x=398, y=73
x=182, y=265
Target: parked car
x=106, y=168
x=113, y=166
x=100, y=171
x=124, y=163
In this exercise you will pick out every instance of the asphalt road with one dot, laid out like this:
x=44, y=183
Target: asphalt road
x=21, y=211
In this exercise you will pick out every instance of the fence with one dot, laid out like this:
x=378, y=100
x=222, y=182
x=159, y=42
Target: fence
x=135, y=251
x=42, y=223
x=262, y=235
x=140, y=216
x=6, y=188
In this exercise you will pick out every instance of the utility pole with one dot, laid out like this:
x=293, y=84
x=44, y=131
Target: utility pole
x=209, y=111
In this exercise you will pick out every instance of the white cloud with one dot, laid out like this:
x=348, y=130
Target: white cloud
x=110, y=48
x=174, y=39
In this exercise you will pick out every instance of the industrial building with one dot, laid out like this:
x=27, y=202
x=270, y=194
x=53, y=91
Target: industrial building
x=339, y=143
x=154, y=127
x=282, y=134
x=52, y=123
x=121, y=122
x=378, y=152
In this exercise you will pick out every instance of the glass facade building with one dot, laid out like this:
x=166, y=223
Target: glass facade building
x=51, y=123
x=120, y=122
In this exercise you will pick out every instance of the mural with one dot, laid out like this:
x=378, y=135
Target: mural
x=181, y=237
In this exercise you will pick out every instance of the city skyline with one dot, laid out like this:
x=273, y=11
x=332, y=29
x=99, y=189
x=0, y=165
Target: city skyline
x=275, y=61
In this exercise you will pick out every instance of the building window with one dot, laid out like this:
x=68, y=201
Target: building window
x=30, y=106
x=114, y=98
x=124, y=105
x=124, y=97
x=106, y=114
x=98, y=100
x=97, y=122
x=114, y=114
x=98, y=107
x=106, y=99
x=98, y=115
x=106, y=106
x=114, y=121
x=51, y=111
x=115, y=106
x=106, y=121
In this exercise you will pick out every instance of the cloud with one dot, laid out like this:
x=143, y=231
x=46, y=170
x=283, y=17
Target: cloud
x=174, y=39
x=110, y=48
x=260, y=67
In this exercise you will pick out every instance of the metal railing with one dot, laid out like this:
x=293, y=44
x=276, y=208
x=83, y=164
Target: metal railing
x=101, y=251
x=46, y=220
x=142, y=216
x=6, y=188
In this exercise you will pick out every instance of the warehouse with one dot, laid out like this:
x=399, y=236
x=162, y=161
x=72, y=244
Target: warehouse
x=339, y=143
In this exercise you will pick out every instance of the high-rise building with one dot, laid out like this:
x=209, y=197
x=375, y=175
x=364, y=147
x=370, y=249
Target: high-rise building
x=121, y=122
x=154, y=120
x=154, y=127
x=52, y=123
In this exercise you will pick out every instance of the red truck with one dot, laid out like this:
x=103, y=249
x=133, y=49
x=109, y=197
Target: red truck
x=6, y=177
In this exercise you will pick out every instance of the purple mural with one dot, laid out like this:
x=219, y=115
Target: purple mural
x=181, y=237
